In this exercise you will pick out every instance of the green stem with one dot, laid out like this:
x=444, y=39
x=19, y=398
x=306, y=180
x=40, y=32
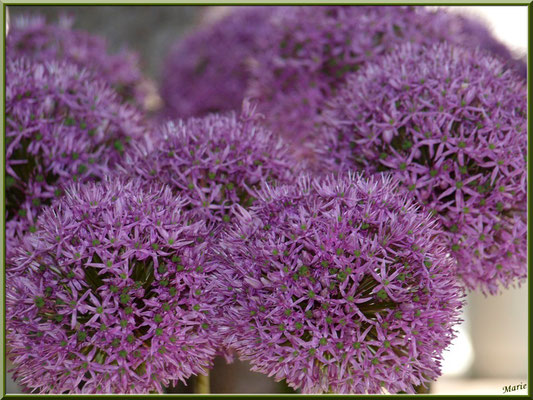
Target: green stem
x=201, y=384
x=423, y=390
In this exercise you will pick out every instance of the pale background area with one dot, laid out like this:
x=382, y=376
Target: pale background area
x=491, y=349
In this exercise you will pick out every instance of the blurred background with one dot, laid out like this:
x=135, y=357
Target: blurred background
x=491, y=350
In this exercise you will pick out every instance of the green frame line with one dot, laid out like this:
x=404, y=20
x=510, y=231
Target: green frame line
x=271, y=2
x=3, y=9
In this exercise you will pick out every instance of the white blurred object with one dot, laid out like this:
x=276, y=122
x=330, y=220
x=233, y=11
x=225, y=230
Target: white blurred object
x=507, y=23
x=458, y=358
x=498, y=325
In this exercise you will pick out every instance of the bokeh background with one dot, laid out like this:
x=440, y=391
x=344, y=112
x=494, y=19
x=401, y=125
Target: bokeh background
x=491, y=350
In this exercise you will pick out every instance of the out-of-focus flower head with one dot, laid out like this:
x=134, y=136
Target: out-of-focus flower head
x=32, y=37
x=471, y=32
x=309, y=51
x=208, y=70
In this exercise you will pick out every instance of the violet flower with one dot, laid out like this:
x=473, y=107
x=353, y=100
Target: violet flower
x=309, y=51
x=63, y=124
x=32, y=37
x=449, y=123
x=110, y=294
x=215, y=162
x=207, y=70
x=338, y=285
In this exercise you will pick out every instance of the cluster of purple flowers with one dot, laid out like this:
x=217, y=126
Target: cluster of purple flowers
x=338, y=285
x=326, y=237
x=63, y=124
x=32, y=37
x=110, y=294
x=310, y=51
x=216, y=162
x=450, y=124
x=313, y=48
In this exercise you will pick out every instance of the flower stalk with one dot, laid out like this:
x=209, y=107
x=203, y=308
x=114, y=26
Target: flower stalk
x=201, y=384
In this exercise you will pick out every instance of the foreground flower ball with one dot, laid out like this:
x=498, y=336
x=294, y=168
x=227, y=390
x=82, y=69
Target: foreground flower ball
x=207, y=71
x=310, y=50
x=215, y=162
x=451, y=125
x=32, y=37
x=339, y=286
x=63, y=124
x=110, y=295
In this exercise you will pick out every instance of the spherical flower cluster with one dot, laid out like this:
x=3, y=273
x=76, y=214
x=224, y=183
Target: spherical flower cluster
x=451, y=125
x=62, y=124
x=207, y=71
x=32, y=37
x=215, y=162
x=309, y=51
x=338, y=285
x=110, y=294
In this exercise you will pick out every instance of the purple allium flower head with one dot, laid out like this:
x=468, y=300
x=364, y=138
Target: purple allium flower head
x=215, y=162
x=207, y=71
x=338, y=285
x=450, y=124
x=309, y=51
x=62, y=124
x=32, y=37
x=111, y=293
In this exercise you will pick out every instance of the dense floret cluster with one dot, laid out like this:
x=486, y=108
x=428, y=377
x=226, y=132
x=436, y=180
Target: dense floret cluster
x=451, y=125
x=63, y=124
x=110, y=294
x=32, y=37
x=215, y=162
x=340, y=286
x=208, y=70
